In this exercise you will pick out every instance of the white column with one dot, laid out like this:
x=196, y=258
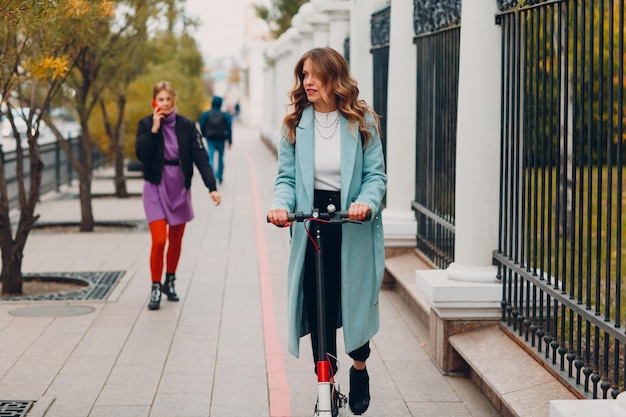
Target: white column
x=468, y=287
x=361, y=65
x=300, y=23
x=285, y=64
x=252, y=107
x=292, y=43
x=399, y=219
x=320, y=23
x=338, y=12
x=478, y=144
x=269, y=95
x=339, y=27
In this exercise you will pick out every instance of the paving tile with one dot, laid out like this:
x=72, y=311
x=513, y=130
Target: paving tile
x=475, y=401
x=120, y=411
x=186, y=383
x=181, y=405
x=25, y=391
x=238, y=410
x=438, y=409
x=78, y=388
x=127, y=394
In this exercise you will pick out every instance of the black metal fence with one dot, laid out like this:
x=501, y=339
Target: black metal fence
x=561, y=252
x=436, y=121
x=380, y=23
x=58, y=170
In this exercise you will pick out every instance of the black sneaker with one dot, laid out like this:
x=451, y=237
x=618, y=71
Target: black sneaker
x=359, y=397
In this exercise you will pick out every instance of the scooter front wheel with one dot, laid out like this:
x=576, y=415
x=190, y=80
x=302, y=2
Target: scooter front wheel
x=339, y=402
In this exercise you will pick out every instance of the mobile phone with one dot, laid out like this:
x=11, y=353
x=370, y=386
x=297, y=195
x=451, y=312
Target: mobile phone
x=154, y=104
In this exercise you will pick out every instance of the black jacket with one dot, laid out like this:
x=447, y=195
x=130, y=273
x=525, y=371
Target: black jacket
x=150, y=150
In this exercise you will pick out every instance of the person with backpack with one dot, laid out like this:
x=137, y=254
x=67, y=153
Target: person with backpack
x=216, y=127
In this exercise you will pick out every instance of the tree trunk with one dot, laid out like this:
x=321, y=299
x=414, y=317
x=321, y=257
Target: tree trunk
x=11, y=275
x=87, y=222
x=117, y=144
x=115, y=132
x=13, y=248
x=85, y=175
x=120, y=180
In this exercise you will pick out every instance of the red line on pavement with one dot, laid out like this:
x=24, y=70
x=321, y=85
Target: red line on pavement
x=275, y=364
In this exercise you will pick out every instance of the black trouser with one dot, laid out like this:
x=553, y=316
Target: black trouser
x=331, y=236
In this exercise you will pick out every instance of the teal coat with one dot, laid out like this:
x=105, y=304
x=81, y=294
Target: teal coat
x=363, y=180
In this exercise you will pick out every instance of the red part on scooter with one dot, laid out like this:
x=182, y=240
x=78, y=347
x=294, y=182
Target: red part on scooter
x=323, y=371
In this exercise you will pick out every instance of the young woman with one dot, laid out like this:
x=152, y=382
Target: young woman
x=168, y=145
x=331, y=152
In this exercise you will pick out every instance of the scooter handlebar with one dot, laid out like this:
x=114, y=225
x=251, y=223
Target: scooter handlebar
x=336, y=216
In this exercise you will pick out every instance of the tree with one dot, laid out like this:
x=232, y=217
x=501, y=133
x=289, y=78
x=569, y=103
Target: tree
x=278, y=15
x=39, y=44
x=119, y=72
x=109, y=62
x=175, y=59
x=119, y=52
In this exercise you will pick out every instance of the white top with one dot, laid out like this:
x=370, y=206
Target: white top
x=327, y=151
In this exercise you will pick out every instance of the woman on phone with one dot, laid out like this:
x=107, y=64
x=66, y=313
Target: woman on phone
x=168, y=145
x=331, y=153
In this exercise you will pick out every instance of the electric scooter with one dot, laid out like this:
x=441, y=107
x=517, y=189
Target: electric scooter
x=330, y=401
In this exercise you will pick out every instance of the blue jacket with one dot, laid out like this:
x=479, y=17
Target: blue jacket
x=216, y=105
x=363, y=180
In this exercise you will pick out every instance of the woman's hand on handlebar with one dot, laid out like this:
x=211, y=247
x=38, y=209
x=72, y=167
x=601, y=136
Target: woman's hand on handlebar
x=278, y=217
x=358, y=211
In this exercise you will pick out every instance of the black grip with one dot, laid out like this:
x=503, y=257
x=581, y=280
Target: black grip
x=343, y=214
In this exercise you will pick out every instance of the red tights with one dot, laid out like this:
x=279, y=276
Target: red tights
x=161, y=235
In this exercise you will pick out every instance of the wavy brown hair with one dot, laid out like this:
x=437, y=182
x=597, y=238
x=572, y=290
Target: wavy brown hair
x=332, y=69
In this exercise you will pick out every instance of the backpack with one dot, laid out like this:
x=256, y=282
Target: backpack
x=215, y=126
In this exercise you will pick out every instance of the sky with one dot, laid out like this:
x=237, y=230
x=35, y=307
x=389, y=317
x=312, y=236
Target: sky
x=222, y=27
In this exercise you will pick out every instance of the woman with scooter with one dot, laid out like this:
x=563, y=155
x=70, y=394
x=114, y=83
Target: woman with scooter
x=330, y=157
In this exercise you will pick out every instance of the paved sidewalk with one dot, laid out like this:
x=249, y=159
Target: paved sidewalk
x=221, y=350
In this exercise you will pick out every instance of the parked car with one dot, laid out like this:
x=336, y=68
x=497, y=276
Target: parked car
x=7, y=139
x=7, y=130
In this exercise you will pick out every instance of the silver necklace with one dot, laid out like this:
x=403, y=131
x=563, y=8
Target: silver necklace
x=327, y=137
x=331, y=123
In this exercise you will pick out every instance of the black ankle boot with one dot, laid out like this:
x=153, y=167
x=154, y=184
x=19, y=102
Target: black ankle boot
x=359, y=398
x=155, y=296
x=168, y=287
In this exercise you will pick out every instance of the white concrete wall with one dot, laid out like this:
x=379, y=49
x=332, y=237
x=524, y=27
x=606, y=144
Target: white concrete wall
x=253, y=103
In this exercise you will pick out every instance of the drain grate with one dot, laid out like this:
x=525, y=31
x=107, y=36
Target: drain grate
x=14, y=408
x=99, y=286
